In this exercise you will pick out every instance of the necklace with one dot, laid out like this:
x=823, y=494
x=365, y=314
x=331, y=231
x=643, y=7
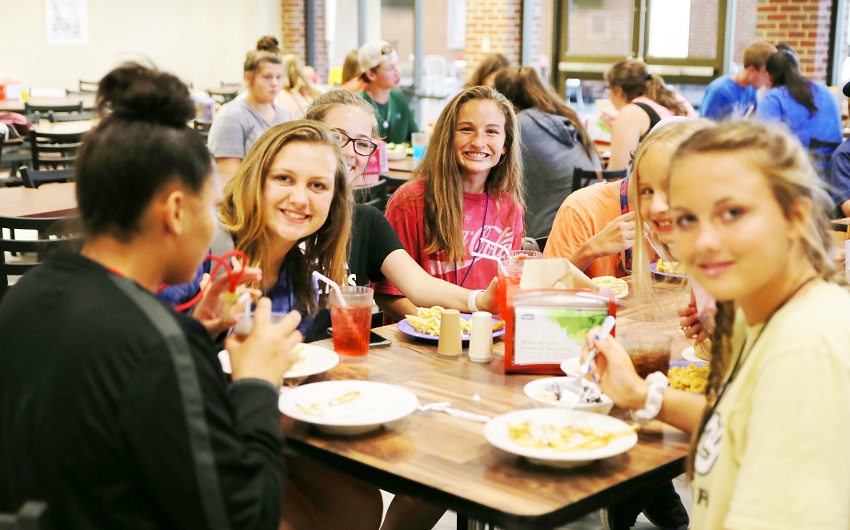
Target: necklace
x=478, y=246
x=385, y=124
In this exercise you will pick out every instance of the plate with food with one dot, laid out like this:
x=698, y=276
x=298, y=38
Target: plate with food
x=426, y=324
x=668, y=269
x=618, y=286
x=348, y=407
x=560, y=438
x=567, y=392
x=312, y=360
x=396, y=151
x=688, y=376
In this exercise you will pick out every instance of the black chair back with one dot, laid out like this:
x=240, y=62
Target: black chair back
x=53, y=236
x=54, y=117
x=372, y=194
x=224, y=94
x=29, y=109
x=203, y=127
x=54, y=150
x=31, y=516
x=33, y=179
x=586, y=177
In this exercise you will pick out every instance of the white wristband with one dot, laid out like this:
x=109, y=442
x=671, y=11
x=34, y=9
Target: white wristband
x=654, y=396
x=473, y=307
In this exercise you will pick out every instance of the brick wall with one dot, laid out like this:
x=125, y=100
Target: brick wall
x=804, y=25
x=702, y=38
x=746, y=14
x=499, y=21
x=295, y=37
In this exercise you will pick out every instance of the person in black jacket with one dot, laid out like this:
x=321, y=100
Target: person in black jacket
x=113, y=408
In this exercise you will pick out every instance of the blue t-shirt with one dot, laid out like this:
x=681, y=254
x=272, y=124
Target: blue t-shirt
x=725, y=99
x=824, y=124
x=838, y=175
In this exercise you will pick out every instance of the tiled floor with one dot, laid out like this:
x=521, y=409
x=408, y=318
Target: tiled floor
x=590, y=522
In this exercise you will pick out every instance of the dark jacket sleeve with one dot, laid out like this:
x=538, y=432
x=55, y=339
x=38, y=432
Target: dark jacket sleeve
x=212, y=454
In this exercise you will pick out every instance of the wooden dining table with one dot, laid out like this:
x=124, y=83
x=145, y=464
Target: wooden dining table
x=446, y=461
x=49, y=200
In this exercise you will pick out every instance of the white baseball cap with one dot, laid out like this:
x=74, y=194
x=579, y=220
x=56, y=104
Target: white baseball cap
x=374, y=53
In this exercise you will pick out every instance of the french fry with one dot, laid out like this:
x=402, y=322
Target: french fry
x=427, y=321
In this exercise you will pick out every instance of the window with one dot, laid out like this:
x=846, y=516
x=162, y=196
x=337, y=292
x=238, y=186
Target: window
x=684, y=41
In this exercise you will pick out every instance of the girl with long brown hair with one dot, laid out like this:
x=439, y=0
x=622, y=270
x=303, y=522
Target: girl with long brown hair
x=467, y=188
x=554, y=145
x=751, y=227
x=642, y=100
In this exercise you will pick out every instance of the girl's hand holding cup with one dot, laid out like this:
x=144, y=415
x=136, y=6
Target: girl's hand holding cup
x=267, y=351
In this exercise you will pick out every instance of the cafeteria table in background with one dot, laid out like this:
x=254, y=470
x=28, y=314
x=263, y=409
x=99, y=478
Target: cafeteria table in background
x=49, y=200
x=447, y=462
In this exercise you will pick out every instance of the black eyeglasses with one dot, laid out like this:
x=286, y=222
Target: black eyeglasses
x=361, y=146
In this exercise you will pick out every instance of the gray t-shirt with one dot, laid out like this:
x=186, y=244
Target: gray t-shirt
x=237, y=126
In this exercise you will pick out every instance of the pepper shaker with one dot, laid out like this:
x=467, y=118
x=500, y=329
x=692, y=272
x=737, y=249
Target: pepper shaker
x=450, y=334
x=481, y=337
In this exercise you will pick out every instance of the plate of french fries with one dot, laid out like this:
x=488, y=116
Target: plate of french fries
x=668, y=269
x=425, y=324
x=312, y=360
x=560, y=438
x=348, y=407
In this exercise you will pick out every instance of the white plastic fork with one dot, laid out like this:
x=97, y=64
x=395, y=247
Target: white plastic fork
x=445, y=406
x=604, y=331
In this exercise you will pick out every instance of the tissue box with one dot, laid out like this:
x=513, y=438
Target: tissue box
x=545, y=327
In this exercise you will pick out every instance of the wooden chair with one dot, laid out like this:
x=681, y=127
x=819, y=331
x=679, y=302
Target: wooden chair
x=34, y=179
x=29, y=517
x=586, y=177
x=53, y=236
x=54, y=150
x=14, y=153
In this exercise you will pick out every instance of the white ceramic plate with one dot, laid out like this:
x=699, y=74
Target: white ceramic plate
x=393, y=154
x=540, y=390
x=496, y=432
x=314, y=360
x=373, y=405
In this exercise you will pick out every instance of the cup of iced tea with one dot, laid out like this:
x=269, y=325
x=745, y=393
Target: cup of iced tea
x=351, y=322
x=510, y=273
x=648, y=349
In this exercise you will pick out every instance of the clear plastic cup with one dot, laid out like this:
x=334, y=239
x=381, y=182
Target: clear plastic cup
x=351, y=324
x=648, y=349
x=511, y=273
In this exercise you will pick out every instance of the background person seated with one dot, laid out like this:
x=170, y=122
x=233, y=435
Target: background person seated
x=736, y=95
x=382, y=75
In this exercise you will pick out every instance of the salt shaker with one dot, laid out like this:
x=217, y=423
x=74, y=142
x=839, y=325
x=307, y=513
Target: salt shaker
x=481, y=337
x=450, y=334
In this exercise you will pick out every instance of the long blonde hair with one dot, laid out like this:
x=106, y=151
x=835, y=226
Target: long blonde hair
x=670, y=136
x=440, y=175
x=243, y=214
x=296, y=79
x=786, y=167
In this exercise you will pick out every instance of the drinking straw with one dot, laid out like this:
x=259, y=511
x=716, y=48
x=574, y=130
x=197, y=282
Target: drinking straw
x=494, y=258
x=505, y=249
x=333, y=284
